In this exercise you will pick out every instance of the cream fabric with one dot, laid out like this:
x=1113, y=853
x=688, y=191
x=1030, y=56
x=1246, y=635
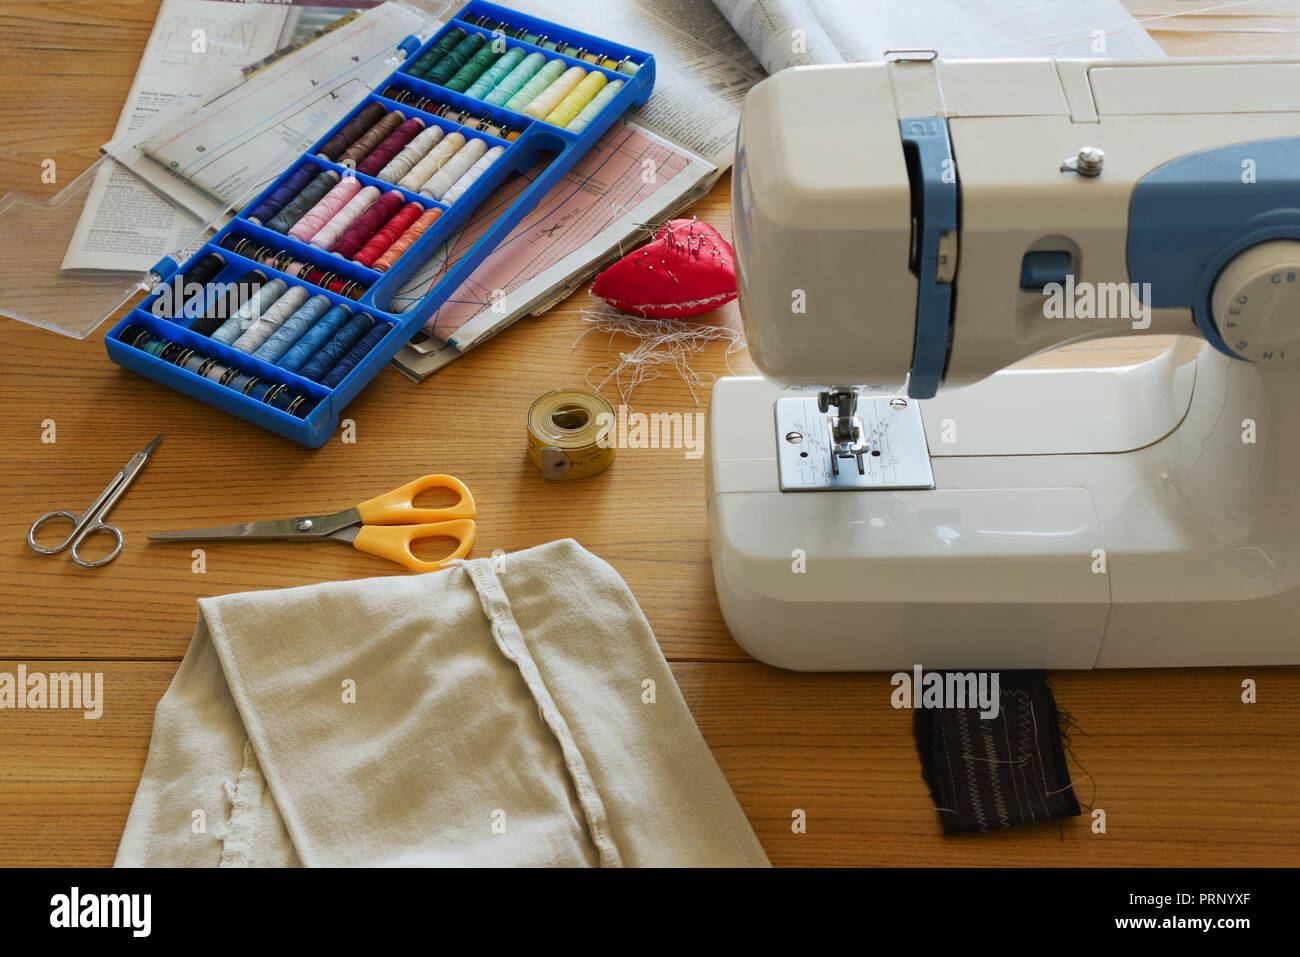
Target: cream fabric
x=498, y=720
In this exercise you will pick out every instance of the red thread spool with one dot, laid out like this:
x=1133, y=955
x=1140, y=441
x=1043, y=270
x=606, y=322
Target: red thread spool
x=380, y=242
x=368, y=223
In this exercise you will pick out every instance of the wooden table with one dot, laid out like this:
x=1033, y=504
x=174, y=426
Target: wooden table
x=1187, y=774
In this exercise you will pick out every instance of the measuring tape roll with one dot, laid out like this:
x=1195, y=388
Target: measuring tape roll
x=564, y=432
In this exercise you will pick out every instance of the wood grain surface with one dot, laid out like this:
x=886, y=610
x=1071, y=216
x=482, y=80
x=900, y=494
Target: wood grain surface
x=1187, y=774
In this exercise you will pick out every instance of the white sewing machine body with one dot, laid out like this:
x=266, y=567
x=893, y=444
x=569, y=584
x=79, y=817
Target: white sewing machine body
x=899, y=227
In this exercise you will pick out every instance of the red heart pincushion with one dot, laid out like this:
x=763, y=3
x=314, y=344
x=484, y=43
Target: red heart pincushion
x=687, y=269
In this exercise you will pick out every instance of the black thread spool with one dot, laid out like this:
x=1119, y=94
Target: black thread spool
x=228, y=302
x=186, y=286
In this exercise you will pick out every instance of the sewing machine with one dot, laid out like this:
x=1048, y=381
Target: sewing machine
x=885, y=496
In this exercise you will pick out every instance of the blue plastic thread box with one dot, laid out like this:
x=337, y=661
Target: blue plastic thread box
x=536, y=139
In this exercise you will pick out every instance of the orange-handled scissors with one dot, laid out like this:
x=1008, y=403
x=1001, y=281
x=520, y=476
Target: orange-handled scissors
x=384, y=526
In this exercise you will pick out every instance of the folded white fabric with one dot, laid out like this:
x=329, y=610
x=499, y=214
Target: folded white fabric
x=505, y=711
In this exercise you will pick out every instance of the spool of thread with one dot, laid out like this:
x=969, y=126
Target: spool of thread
x=423, y=171
x=592, y=109
x=481, y=122
x=457, y=57
x=358, y=151
x=388, y=234
x=404, y=241
x=315, y=337
x=538, y=40
x=245, y=315
x=582, y=94
x=315, y=218
x=416, y=150
x=308, y=197
x=185, y=286
x=568, y=434
x=293, y=328
x=472, y=174
x=229, y=301
x=283, y=261
x=441, y=48
x=391, y=146
x=456, y=167
x=475, y=67
x=548, y=74
x=368, y=223
x=550, y=97
x=274, y=394
x=342, y=221
x=597, y=59
x=496, y=73
x=319, y=365
x=286, y=191
x=350, y=131
x=356, y=354
x=514, y=81
x=271, y=320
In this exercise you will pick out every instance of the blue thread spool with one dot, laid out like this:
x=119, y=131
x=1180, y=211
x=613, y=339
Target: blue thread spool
x=356, y=354
x=315, y=337
x=293, y=328
x=330, y=353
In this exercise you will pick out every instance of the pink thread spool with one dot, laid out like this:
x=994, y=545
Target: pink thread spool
x=326, y=209
x=332, y=231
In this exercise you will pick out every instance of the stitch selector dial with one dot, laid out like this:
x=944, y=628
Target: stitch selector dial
x=1256, y=302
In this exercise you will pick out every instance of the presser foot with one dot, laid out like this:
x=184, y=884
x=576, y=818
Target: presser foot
x=883, y=439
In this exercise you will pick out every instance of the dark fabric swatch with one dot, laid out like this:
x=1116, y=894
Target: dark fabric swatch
x=989, y=774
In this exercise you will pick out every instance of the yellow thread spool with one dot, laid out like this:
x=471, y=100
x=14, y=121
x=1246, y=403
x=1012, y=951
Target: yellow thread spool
x=581, y=95
x=569, y=434
x=550, y=97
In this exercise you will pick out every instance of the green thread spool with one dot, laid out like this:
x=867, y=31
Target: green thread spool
x=474, y=68
x=484, y=84
x=589, y=112
x=534, y=87
x=445, y=68
x=437, y=52
x=514, y=81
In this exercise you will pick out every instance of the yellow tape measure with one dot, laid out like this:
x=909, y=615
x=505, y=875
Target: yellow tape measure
x=564, y=432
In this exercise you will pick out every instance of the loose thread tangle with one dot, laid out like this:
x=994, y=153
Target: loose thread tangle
x=659, y=343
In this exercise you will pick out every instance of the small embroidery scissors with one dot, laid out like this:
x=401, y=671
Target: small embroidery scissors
x=384, y=526
x=92, y=519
